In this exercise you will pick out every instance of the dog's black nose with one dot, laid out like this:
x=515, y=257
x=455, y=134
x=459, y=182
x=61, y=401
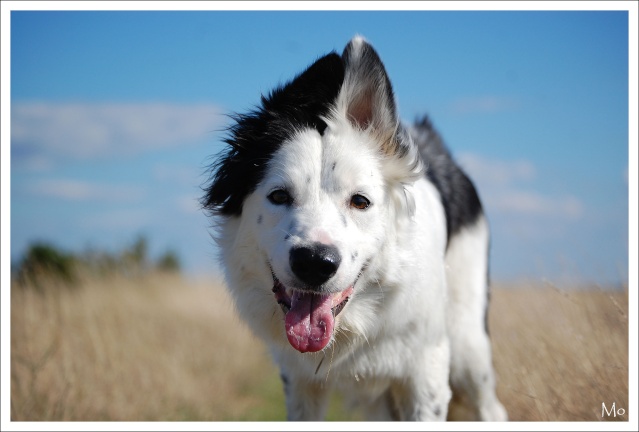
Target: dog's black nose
x=314, y=264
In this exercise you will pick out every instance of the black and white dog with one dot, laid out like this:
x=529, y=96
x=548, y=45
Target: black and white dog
x=356, y=248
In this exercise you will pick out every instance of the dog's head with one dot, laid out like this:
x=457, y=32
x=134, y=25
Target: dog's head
x=308, y=192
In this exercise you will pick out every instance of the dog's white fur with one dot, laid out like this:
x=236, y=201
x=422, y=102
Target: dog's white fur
x=413, y=326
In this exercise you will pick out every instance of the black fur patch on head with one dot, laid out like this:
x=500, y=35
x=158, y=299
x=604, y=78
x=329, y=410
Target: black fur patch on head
x=256, y=136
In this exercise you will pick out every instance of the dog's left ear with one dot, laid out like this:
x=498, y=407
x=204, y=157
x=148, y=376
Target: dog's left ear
x=367, y=99
x=367, y=94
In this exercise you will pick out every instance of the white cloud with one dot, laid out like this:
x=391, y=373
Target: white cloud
x=95, y=130
x=125, y=219
x=75, y=190
x=37, y=163
x=507, y=187
x=496, y=171
x=535, y=204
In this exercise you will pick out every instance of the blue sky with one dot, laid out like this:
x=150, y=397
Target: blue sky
x=116, y=115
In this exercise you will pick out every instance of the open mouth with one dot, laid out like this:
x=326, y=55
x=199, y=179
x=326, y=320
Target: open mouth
x=309, y=317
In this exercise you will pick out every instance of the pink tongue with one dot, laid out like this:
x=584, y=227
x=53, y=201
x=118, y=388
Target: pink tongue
x=310, y=322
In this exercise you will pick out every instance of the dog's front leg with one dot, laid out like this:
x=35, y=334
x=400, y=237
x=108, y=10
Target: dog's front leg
x=413, y=402
x=305, y=399
x=424, y=394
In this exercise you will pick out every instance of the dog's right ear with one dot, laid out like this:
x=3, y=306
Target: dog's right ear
x=367, y=95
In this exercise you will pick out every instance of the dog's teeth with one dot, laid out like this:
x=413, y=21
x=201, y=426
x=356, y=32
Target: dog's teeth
x=284, y=306
x=337, y=309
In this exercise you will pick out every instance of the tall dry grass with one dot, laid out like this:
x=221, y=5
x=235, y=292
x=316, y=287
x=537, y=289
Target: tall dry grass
x=561, y=354
x=154, y=348
x=165, y=348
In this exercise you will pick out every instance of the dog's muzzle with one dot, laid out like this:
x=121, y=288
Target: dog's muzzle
x=310, y=314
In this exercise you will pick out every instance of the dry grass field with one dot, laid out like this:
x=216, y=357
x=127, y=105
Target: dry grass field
x=164, y=348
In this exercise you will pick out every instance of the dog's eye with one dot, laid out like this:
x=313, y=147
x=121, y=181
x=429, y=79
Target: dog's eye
x=360, y=202
x=280, y=197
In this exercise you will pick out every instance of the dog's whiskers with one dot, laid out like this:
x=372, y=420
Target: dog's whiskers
x=320, y=364
x=381, y=290
x=330, y=364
